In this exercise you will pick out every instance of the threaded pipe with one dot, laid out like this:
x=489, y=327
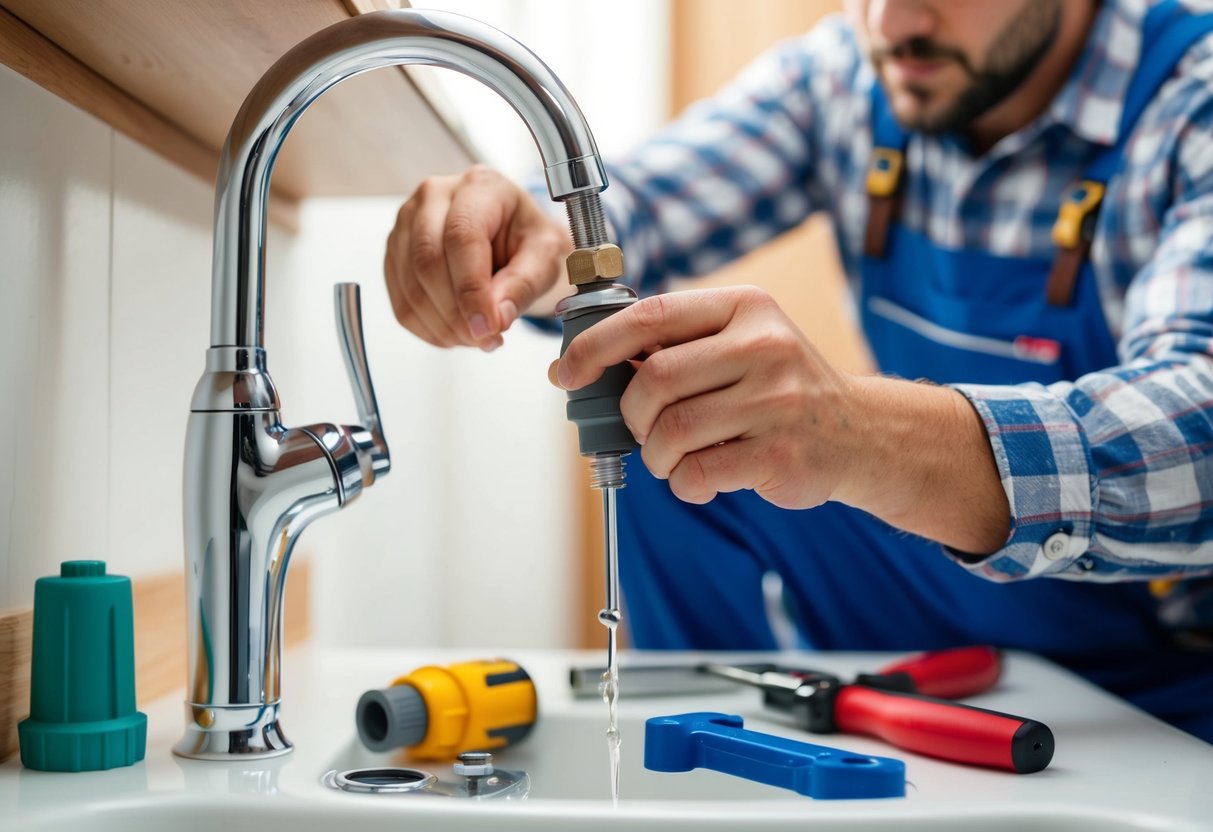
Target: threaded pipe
x=607, y=471
x=586, y=219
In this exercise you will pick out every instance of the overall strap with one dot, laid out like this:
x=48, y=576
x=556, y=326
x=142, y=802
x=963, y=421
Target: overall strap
x=1168, y=32
x=885, y=169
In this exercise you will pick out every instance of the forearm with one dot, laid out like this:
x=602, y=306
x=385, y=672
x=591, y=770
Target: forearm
x=923, y=463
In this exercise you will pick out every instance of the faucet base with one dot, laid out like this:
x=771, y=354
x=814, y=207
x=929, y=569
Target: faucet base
x=232, y=733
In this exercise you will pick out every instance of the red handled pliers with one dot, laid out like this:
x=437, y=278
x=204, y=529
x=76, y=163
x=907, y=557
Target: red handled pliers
x=901, y=705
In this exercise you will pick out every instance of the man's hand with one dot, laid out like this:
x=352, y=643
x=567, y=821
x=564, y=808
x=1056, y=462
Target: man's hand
x=732, y=395
x=468, y=255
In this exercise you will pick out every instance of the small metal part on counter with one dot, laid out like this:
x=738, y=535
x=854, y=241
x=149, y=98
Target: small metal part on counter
x=474, y=765
x=438, y=712
x=83, y=715
x=719, y=742
x=394, y=781
x=652, y=680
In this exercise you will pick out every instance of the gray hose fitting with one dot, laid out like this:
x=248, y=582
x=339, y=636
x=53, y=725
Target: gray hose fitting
x=594, y=409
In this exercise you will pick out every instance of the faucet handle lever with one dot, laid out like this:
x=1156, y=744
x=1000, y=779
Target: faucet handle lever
x=348, y=306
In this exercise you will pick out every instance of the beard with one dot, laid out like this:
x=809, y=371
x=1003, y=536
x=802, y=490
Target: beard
x=1015, y=52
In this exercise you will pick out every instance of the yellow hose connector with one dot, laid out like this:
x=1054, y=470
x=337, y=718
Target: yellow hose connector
x=436, y=712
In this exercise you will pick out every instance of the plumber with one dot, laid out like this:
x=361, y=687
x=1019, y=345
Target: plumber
x=1022, y=194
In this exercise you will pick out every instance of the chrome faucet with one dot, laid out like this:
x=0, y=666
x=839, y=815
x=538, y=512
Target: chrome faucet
x=251, y=484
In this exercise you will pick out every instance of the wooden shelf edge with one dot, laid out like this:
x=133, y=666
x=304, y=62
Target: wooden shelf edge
x=430, y=96
x=29, y=53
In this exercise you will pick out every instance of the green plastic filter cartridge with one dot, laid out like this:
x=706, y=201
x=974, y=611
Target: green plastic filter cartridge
x=82, y=677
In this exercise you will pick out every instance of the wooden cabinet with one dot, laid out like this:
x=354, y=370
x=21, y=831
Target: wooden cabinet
x=172, y=74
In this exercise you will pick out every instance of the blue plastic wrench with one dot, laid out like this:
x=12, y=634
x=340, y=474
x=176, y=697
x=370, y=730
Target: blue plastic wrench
x=718, y=742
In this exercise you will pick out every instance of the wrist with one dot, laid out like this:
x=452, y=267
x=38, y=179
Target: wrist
x=881, y=451
x=921, y=461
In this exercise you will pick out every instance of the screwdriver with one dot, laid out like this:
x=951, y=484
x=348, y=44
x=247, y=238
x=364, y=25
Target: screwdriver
x=602, y=435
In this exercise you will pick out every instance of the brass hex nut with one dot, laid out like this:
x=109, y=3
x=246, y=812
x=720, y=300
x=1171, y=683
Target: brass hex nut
x=585, y=265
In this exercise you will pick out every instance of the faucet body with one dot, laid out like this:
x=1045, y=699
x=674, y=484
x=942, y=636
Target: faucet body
x=251, y=483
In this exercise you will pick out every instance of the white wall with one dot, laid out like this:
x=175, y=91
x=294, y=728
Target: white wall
x=104, y=319
x=613, y=57
x=466, y=542
x=56, y=174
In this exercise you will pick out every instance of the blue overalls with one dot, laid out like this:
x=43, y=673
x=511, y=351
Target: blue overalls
x=691, y=575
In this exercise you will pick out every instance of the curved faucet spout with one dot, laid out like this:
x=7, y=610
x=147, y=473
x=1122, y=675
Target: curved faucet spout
x=251, y=483
x=363, y=43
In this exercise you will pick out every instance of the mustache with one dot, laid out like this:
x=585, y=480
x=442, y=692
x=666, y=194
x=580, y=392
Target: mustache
x=921, y=49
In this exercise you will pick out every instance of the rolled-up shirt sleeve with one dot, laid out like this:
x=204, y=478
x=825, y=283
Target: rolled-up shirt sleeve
x=1110, y=477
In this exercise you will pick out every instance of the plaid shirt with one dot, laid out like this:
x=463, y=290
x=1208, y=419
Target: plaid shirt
x=1109, y=476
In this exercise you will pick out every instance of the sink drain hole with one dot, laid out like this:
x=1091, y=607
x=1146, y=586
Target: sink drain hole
x=383, y=780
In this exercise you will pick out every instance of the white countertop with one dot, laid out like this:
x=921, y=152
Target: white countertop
x=1115, y=768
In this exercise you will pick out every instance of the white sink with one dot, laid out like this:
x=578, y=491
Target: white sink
x=566, y=759
x=1114, y=769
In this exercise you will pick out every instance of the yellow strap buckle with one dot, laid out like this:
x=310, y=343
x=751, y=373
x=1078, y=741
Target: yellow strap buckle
x=1076, y=217
x=884, y=171
x=1161, y=587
